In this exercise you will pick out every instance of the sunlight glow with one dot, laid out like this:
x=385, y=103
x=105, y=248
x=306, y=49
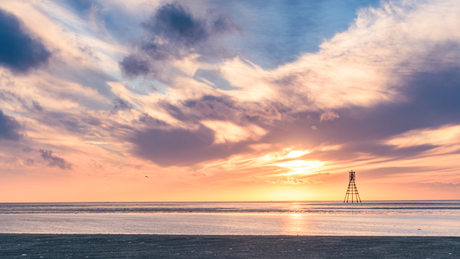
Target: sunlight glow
x=296, y=153
x=285, y=153
x=299, y=166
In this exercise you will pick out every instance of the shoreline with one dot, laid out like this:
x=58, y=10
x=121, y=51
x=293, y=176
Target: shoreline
x=225, y=246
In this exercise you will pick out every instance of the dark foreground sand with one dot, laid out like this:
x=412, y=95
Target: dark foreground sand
x=181, y=246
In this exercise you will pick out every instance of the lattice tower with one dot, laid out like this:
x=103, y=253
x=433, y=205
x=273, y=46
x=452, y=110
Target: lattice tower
x=352, y=190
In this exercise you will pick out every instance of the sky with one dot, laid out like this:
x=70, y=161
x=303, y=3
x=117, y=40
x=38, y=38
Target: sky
x=207, y=100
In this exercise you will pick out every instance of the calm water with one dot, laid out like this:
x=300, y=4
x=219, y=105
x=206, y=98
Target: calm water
x=401, y=218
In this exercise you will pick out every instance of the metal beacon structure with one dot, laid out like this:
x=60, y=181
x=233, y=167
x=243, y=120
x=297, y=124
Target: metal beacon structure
x=352, y=190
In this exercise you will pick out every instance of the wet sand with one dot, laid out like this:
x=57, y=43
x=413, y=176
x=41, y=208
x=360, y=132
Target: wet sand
x=183, y=246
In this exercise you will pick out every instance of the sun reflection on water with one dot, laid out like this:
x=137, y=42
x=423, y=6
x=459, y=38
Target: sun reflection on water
x=296, y=223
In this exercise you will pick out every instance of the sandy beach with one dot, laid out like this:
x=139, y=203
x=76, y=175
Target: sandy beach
x=198, y=246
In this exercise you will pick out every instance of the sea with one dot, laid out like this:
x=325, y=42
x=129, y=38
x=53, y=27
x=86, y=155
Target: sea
x=369, y=218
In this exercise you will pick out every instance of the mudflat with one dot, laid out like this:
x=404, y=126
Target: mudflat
x=202, y=246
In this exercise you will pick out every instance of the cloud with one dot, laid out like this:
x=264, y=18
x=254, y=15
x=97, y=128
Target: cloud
x=36, y=106
x=19, y=51
x=444, y=136
x=181, y=147
x=214, y=108
x=83, y=76
x=81, y=5
x=369, y=74
x=329, y=116
x=366, y=65
x=16, y=98
x=174, y=24
x=228, y=132
x=151, y=122
x=54, y=161
x=120, y=104
x=424, y=120
x=30, y=162
x=291, y=180
x=421, y=123
x=9, y=127
x=173, y=33
x=133, y=66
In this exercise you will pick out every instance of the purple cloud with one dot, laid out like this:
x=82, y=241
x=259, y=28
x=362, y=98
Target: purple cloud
x=54, y=161
x=9, y=127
